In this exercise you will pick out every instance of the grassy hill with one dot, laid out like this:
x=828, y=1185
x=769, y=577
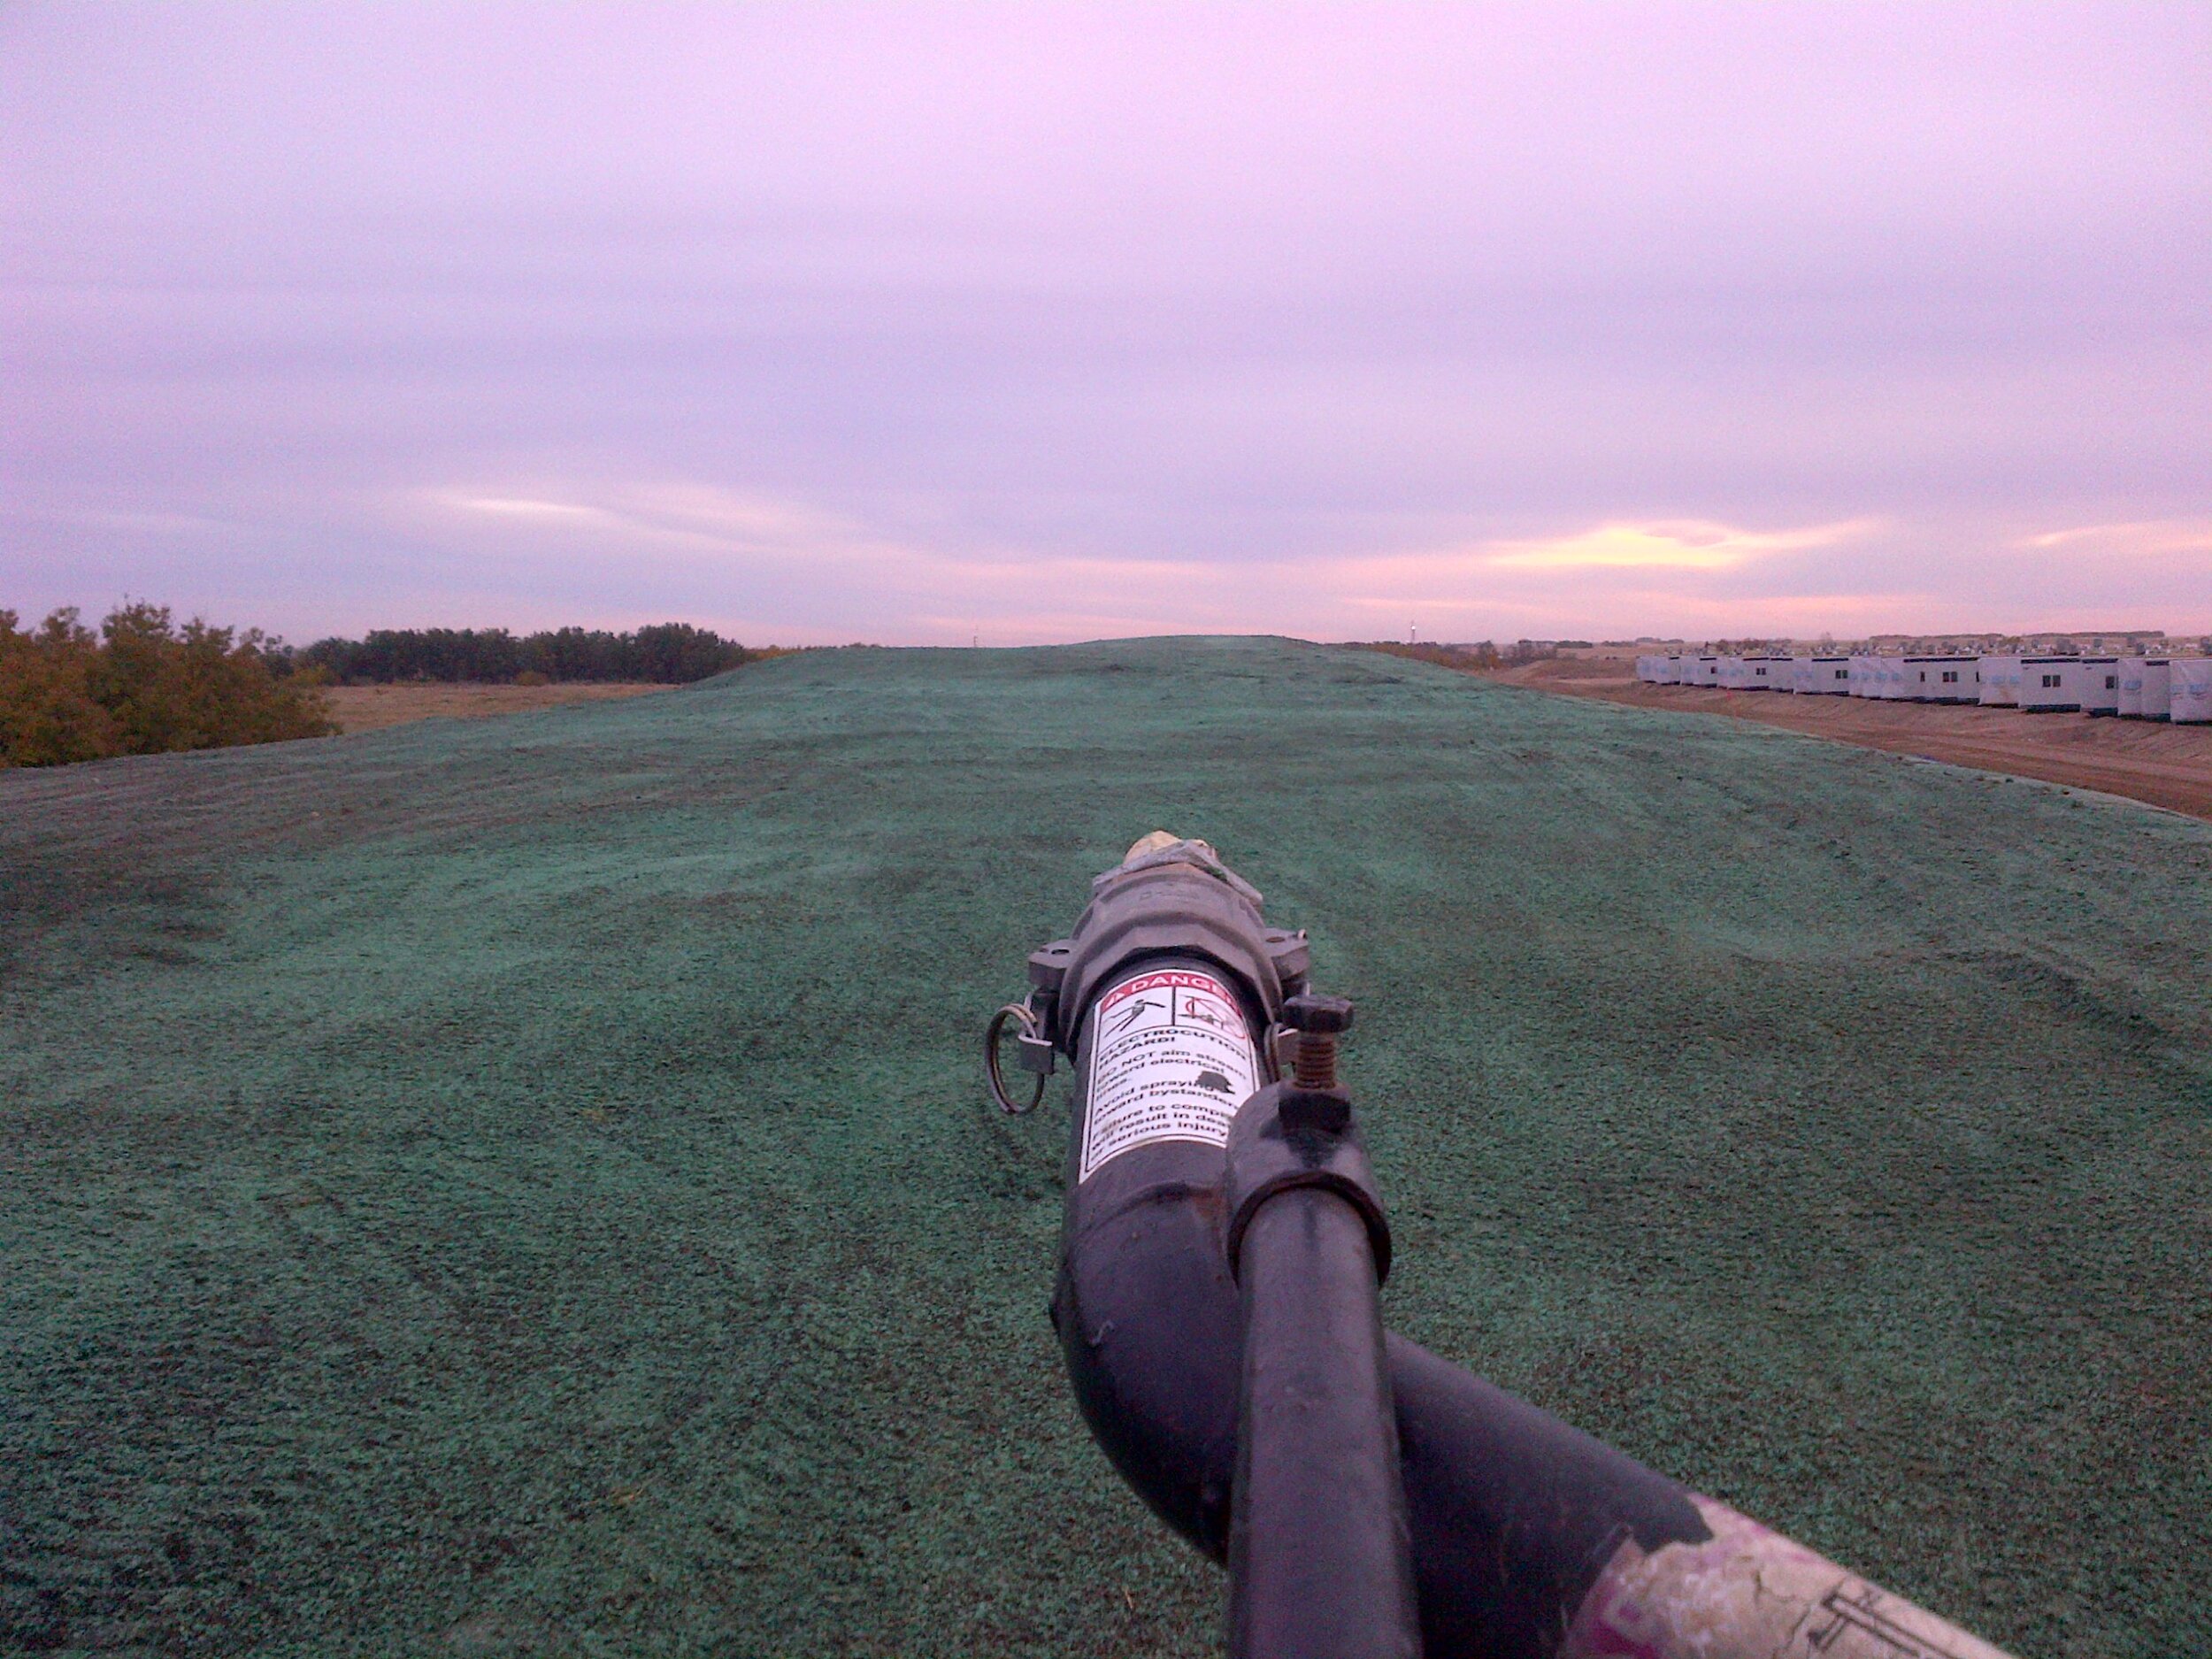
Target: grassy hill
x=524, y=1187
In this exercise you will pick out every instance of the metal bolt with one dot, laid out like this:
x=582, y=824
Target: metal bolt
x=1317, y=1020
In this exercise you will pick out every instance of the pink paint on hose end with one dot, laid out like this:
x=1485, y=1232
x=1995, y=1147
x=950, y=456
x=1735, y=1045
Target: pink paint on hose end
x=1748, y=1592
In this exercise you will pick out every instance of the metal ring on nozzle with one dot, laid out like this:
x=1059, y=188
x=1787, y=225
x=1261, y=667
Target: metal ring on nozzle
x=993, y=1036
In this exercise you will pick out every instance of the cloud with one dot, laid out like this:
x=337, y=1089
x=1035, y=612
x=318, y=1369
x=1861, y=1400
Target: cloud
x=1087, y=321
x=1687, y=547
x=2143, y=537
x=773, y=564
x=746, y=555
x=163, y=524
x=1604, y=577
x=699, y=517
x=517, y=507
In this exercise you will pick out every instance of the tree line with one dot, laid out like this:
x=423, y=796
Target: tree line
x=143, y=683
x=1480, y=655
x=673, y=653
x=1472, y=657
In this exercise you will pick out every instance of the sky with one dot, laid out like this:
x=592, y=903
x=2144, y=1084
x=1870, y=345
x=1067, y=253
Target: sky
x=1020, y=324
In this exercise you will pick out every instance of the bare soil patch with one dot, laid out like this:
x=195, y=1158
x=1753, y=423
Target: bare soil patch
x=2150, y=761
x=371, y=708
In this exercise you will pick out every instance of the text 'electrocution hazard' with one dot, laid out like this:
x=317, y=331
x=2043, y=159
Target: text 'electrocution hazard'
x=1171, y=1059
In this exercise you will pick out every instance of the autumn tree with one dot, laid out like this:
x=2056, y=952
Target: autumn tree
x=144, y=684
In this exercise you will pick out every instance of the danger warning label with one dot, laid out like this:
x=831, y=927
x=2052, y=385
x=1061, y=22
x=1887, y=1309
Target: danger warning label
x=1170, y=1060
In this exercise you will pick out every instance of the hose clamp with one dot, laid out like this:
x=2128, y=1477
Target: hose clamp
x=1286, y=1136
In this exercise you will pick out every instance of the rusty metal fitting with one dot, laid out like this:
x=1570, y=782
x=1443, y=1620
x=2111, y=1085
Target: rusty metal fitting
x=1317, y=1020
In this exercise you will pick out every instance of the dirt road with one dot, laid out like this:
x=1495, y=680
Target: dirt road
x=2165, y=766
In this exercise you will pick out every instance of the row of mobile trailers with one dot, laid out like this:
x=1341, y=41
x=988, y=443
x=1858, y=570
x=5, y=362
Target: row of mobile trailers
x=2134, y=687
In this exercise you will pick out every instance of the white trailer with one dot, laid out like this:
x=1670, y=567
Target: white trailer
x=2096, y=681
x=1670, y=670
x=2191, y=698
x=1700, y=670
x=2046, y=687
x=1889, y=677
x=2158, y=683
x=2131, y=687
x=1862, y=673
x=1824, y=676
x=1942, y=679
x=1745, y=673
x=2000, y=681
x=1781, y=673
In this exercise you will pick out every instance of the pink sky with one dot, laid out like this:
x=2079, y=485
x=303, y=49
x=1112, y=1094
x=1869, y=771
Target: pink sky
x=1031, y=324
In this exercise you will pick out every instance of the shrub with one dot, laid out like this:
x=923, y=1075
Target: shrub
x=142, y=685
x=48, y=714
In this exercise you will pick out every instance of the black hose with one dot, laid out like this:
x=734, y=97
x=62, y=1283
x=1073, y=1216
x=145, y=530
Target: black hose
x=1320, y=1562
x=1529, y=1539
x=1513, y=1513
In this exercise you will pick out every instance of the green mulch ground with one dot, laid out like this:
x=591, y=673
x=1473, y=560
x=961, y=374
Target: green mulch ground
x=524, y=1187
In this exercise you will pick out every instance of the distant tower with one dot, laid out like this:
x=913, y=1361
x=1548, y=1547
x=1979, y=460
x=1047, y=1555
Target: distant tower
x=1409, y=633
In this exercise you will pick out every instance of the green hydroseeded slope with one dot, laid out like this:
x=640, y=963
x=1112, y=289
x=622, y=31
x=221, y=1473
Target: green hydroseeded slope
x=523, y=1185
